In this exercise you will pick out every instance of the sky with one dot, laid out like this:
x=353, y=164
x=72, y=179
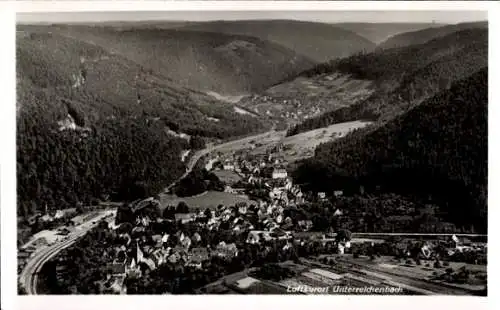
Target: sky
x=445, y=17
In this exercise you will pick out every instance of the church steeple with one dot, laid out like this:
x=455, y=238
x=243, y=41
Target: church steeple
x=140, y=255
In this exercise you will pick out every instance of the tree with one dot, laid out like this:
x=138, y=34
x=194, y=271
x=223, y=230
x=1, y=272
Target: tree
x=182, y=207
x=208, y=213
x=343, y=235
x=79, y=207
x=197, y=143
x=124, y=214
x=20, y=289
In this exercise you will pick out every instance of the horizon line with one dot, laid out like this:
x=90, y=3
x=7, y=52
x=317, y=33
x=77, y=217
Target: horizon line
x=238, y=20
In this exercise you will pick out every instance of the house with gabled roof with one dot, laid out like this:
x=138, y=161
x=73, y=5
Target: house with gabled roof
x=279, y=173
x=196, y=237
x=160, y=256
x=132, y=269
x=338, y=193
x=197, y=256
x=157, y=239
x=338, y=212
x=226, y=250
x=174, y=257
x=185, y=217
x=186, y=242
x=117, y=268
x=305, y=224
x=258, y=236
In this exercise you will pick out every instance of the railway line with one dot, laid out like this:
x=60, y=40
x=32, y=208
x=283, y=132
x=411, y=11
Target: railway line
x=29, y=276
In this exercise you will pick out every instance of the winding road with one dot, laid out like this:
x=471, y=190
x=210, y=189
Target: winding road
x=29, y=276
x=200, y=153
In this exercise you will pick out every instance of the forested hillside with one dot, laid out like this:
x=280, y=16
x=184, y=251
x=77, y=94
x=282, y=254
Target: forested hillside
x=317, y=41
x=60, y=169
x=425, y=35
x=92, y=124
x=103, y=85
x=206, y=61
x=404, y=77
x=380, y=32
x=438, y=150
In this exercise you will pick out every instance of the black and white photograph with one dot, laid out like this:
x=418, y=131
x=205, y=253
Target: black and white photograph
x=247, y=152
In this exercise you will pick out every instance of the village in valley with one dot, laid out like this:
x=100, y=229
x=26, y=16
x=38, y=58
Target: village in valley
x=263, y=155
x=254, y=235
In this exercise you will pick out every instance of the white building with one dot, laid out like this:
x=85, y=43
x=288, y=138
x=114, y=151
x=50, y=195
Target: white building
x=279, y=174
x=59, y=214
x=338, y=193
x=228, y=166
x=338, y=212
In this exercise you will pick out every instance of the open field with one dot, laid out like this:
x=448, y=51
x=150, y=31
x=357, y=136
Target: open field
x=337, y=88
x=226, y=176
x=302, y=145
x=210, y=199
x=264, y=287
x=384, y=275
x=305, y=97
x=419, y=276
x=295, y=147
x=226, y=98
x=307, y=277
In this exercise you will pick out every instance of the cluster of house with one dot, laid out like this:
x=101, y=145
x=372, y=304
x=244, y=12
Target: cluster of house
x=44, y=237
x=296, y=108
x=50, y=216
x=142, y=252
x=465, y=245
x=266, y=170
x=257, y=223
x=452, y=246
x=69, y=123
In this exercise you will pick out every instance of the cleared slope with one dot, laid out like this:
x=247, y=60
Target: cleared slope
x=317, y=41
x=425, y=35
x=302, y=98
x=438, y=148
x=207, y=61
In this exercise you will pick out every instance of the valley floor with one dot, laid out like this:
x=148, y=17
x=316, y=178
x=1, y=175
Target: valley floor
x=295, y=147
